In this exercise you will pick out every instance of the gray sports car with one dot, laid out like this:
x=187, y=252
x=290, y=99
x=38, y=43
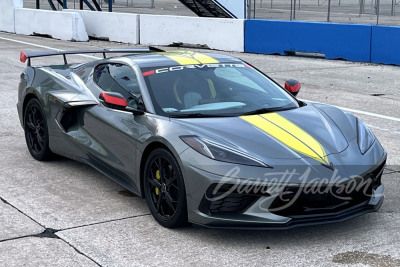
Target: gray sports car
x=205, y=138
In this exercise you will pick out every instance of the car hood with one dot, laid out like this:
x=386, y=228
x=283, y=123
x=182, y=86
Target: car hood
x=305, y=132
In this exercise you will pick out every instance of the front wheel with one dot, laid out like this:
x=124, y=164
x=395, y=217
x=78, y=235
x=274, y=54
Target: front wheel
x=164, y=189
x=36, y=133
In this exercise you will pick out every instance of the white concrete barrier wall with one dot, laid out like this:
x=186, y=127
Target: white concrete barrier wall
x=57, y=24
x=118, y=27
x=7, y=14
x=222, y=34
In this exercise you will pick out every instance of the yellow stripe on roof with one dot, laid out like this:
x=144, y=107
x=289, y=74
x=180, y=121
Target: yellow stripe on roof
x=190, y=58
x=289, y=134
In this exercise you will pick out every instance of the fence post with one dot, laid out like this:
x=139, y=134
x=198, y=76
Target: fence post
x=329, y=10
x=248, y=9
x=110, y=5
x=291, y=9
x=294, y=9
x=377, y=11
x=393, y=7
x=254, y=9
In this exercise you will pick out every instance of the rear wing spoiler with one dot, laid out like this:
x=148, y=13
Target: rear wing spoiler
x=24, y=56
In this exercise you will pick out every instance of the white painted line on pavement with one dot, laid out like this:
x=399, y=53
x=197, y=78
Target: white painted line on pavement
x=45, y=47
x=370, y=114
x=382, y=129
x=360, y=112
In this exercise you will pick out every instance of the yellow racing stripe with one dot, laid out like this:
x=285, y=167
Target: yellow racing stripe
x=289, y=134
x=190, y=58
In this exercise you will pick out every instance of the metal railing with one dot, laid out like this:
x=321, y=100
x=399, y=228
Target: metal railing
x=80, y=4
x=127, y=2
x=347, y=11
x=342, y=11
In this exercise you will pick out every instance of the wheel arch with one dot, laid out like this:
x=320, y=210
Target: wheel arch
x=149, y=148
x=45, y=152
x=27, y=98
x=146, y=152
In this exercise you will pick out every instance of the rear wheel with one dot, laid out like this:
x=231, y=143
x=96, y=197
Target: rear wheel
x=164, y=189
x=36, y=133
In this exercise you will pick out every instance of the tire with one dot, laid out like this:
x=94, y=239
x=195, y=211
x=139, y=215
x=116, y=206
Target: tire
x=36, y=132
x=164, y=189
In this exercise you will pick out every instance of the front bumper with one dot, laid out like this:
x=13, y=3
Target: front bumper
x=259, y=211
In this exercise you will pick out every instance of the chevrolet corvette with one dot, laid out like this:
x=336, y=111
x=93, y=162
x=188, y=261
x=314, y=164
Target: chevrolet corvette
x=205, y=138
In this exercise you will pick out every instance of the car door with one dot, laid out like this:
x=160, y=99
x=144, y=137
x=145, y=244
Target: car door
x=110, y=135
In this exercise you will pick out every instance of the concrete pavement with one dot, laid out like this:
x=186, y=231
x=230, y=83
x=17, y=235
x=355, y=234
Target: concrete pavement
x=65, y=213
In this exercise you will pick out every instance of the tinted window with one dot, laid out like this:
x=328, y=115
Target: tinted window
x=235, y=75
x=213, y=89
x=117, y=78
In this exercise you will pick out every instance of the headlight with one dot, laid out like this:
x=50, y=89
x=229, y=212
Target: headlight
x=365, y=138
x=222, y=153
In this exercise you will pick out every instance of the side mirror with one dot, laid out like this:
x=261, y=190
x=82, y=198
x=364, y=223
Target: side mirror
x=118, y=101
x=293, y=86
x=113, y=100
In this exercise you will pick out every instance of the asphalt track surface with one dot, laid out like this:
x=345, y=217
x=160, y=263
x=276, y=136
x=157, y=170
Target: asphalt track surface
x=65, y=213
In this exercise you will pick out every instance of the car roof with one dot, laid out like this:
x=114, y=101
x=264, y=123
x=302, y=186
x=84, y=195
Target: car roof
x=180, y=58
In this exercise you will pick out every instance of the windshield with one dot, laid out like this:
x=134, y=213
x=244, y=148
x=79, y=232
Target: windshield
x=214, y=90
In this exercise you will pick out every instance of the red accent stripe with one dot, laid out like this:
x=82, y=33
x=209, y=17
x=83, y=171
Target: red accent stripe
x=147, y=73
x=22, y=57
x=248, y=66
x=114, y=100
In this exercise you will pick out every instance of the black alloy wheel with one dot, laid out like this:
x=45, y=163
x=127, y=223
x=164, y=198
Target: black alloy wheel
x=164, y=189
x=36, y=133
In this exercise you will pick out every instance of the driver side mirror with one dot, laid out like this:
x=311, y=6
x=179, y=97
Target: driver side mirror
x=293, y=86
x=117, y=101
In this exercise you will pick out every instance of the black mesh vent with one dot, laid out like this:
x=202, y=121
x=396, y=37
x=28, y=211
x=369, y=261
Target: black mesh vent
x=225, y=202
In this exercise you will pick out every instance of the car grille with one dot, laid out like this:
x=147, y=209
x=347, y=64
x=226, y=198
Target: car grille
x=297, y=202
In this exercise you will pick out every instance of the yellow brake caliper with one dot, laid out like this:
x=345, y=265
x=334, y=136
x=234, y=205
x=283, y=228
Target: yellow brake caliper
x=158, y=178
